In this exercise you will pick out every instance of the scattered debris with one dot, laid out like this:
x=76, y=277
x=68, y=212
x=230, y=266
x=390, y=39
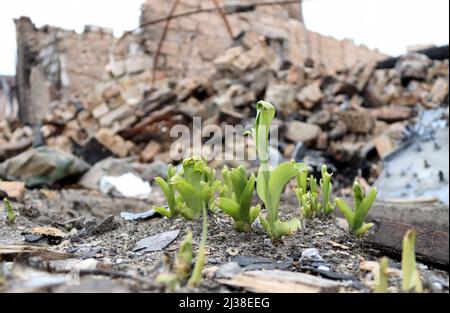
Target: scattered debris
x=228, y=270
x=251, y=263
x=53, y=235
x=420, y=167
x=118, y=167
x=14, y=190
x=10, y=252
x=281, y=281
x=127, y=216
x=311, y=254
x=127, y=185
x=26, y=279
x=431, y=246
x=43, y=166
x=104, y=226
x=156, y=242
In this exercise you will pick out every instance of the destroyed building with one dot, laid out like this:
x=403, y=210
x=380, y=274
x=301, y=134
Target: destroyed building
x=85, y=132
x=191, y=58
x=56, y=64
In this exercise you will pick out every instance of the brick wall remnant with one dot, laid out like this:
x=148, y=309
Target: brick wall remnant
x=194, y=40
x=53, y=63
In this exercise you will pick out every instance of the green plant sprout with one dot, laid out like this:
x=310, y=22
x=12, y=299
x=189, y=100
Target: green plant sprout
x=327, y=187
x=201, y=255
x=410, y=274
x=10, y=215
x=195, y=183
x=308, y=200
x=182, y=265
x=173, y=202
x=236, y=197
x=271, y=182
x=362, y=204
x=302, y=181
x=381, y=277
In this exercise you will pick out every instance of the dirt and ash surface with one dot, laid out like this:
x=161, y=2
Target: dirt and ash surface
x=104, y=254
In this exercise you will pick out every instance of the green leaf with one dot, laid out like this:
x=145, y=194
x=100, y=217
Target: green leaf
x=264, y=223
x=313, y=184
x=381, y=278
x=254, y=212
x=246, y=197
x=169, y=280
x=345, y=210
x=227, y=189
x=411, y=278
x=285, y=228
x=302, y=179
x=10, y=215
x=363, y=229
x=238, y=181
x=169, y=195
x=185, y=211
x=326, y=190
x=183, y=261
x=307, y=209
x=277, y=182
x=201, y=256
x=163, y=211
x=230, y=207
x=364, y=208
x=358, y=195
x=299, y=193
x=261, y=186
x=189, y=193
x=264, y=116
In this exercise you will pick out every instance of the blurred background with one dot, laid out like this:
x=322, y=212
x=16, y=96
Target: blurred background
x=390, y=26
x=90, y=90
x=355, y=83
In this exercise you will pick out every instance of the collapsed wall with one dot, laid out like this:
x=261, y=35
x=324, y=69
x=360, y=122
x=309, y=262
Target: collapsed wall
x=55, y=64
x=193, y=41
x=8, y=101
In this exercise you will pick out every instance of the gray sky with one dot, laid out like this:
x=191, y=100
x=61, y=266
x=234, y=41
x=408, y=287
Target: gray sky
x=389, y=25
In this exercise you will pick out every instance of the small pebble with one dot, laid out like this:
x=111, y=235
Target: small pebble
x=311, y=254
x=437, y=286
x=422, y=267
x=228, y=270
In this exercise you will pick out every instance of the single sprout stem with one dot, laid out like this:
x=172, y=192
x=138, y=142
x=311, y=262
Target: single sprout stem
x=10, y=215
x=201, y=256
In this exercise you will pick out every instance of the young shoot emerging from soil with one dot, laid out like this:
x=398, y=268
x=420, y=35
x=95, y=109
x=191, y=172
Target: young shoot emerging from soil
x=271, y=182
x=236, y=197
x=362, y=204
x=10, y=215
x=182, y=265
x=410, y=274
x=381, y=277
x=327, y=188
x=195, y=183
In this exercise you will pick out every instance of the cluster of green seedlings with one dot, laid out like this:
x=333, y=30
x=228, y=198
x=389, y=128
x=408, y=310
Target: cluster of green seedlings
x=190, y=192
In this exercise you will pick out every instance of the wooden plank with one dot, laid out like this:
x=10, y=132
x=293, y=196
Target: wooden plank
x=14, y=251
x=281, y=282
x=431, y=246
x=421, y=212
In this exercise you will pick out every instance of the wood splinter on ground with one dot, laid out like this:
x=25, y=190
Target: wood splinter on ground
x=281, y=282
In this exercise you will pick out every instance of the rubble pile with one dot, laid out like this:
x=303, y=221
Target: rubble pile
x=347, y=116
